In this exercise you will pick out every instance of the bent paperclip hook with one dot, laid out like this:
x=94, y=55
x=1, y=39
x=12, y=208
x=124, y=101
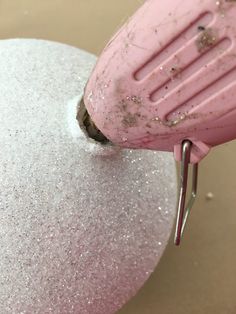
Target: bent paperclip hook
x=183, y=212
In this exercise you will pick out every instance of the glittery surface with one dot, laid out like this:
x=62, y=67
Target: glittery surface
x=81, y=227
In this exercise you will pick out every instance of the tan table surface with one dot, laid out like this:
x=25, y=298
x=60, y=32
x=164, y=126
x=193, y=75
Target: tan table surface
x=199, y=277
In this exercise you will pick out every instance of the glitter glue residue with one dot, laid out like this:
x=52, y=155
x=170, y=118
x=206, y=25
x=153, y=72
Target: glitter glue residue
x=80, y=232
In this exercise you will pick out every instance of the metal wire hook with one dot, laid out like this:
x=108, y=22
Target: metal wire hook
x=183, y=212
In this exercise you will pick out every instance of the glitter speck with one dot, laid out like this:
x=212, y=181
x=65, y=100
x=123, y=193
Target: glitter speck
x=209, y=196
x=206, y=39
x=90, y=97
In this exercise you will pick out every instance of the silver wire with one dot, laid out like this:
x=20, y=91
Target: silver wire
x=183, y=212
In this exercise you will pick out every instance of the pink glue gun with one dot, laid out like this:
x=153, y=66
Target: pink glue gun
x=167, y=81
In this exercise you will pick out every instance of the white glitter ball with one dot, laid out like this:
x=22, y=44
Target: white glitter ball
x=81, y=226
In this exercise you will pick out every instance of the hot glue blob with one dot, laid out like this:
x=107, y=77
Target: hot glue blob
x=82, y=224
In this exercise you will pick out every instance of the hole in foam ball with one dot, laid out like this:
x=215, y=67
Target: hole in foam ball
x=88, y=126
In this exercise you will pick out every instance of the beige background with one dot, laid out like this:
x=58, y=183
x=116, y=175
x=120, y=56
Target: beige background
x=199, y=277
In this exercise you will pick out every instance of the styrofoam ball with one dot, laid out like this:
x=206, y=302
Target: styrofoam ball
x=82, y=226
